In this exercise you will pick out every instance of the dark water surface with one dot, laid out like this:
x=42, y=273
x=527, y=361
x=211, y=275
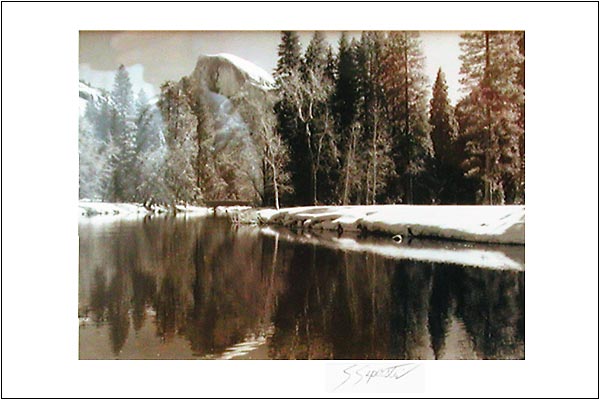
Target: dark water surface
x=195, y=288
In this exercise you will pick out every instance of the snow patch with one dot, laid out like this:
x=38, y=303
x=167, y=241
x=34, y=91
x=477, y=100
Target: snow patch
x=485, y=224
x=254, y=72
x=88, y=208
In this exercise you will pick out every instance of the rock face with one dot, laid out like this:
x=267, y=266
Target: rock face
x=87, y=94
x=226, y=74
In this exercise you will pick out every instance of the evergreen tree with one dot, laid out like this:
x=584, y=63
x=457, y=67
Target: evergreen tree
x=289, y=54
x=316, y=55
x=122, y=132
x=148, y=123
x=490, y=66
x=95, y=169
x=441, y=119
x=288, y=124
x=346, y=87
x=443, y=136
x=404, y=83
x=98, y=115
x=345, y=106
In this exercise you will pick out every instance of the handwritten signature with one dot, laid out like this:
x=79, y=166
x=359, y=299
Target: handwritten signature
x=365, y=373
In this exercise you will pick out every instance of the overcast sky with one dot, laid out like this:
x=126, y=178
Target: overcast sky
x=154, y=57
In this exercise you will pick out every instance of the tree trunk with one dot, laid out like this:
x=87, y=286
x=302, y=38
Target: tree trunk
x=313, y=167
x=349, y=161
x=488, y=198
x=275, y=188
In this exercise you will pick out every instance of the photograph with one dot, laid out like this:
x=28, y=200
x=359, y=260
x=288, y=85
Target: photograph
x=302, y=195
x=272, y=200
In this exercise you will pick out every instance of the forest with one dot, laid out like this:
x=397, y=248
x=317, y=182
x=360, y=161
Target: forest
x=356, y=124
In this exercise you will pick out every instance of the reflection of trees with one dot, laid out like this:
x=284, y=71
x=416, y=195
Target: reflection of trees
x=354, y=306
x=410, y=287
x=118, y=312
x=230, y=285
x=206, y=283
x=127, y=291
x=98, y=296
x=304, y=308
x=214, y=286
x=491, y=306
x=143, y=290
x=441, y=301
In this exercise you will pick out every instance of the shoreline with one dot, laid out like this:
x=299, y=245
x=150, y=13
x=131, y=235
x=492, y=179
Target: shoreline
x=479, y=224
x=89, y=209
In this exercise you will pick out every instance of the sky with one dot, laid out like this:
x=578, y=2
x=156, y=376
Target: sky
x=153, y=57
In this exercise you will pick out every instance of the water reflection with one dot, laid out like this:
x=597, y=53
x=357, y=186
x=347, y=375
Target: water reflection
x=198, y=288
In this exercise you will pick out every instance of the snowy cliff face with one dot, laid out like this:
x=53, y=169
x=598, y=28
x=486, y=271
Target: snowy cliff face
x=87, y=94
x=226, y=74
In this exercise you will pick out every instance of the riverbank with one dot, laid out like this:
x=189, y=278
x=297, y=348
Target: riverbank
x=97, y=208
x=483, y=224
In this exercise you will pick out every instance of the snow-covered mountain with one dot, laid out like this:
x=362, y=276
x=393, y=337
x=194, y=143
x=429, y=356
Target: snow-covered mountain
x=87, y=93
x=226, y=74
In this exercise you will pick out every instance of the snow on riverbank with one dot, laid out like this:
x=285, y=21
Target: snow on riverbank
x=485, y=224
x=96, y=208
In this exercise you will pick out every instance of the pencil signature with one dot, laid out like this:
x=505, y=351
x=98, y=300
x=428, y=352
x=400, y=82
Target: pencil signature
x=364, y=373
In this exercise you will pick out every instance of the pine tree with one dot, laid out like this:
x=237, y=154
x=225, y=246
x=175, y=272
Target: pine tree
x=289, y=54
x=441, y=119
x=346, y=86
x=345, y=107
x=316, y=55
x=490, y=64
x=288, y=124
x=122, y=132
x=148, y=123
x=95, y=169
x=443, y=136
x=405, y=87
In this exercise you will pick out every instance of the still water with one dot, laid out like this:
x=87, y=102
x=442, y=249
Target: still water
x=198, y=288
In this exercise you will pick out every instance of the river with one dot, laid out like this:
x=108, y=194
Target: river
x=185, y=287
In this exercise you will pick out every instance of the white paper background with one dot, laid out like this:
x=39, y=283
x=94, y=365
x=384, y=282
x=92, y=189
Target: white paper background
x=39, y=196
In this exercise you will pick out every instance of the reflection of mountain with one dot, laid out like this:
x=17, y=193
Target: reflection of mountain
x=213, y=286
